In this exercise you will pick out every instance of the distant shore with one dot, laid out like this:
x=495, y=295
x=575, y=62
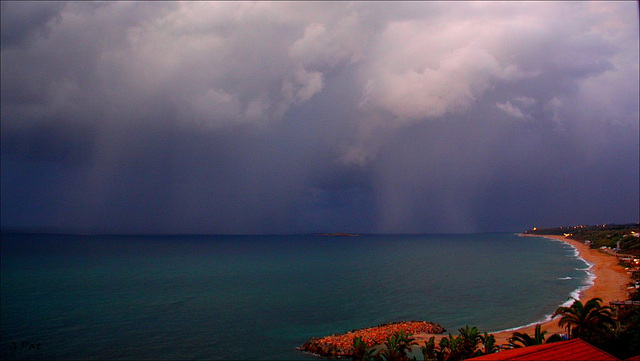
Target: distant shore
x=610, y=284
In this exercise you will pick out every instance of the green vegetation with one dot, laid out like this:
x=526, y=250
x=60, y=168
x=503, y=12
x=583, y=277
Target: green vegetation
x=429, y=350
x=626, y=340
x=489, y=342
x=397, y=346
x=469, y=343
x=611, y=238
x=362, y=352
x=589, y=321
x=598, y=325
x=607, y=235
x=521, y=339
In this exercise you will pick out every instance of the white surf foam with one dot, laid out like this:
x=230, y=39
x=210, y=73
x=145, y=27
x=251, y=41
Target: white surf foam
x=574, y=295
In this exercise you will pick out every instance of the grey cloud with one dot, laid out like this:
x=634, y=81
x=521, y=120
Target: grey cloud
x=427, y=69
x=508, y=108
x=23, y=21
x=300, y=117
x=56, y=141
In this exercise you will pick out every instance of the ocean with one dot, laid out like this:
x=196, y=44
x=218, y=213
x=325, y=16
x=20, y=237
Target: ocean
x=73, y=297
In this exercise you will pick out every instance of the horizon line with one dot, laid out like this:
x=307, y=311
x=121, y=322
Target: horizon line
x=60, y=231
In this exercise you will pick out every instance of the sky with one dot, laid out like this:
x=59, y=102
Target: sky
x=302, y=117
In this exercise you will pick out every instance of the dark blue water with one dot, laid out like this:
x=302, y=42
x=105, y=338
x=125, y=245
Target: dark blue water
x=260, y=297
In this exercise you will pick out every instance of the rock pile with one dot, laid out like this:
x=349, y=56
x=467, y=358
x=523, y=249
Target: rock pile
x=342, y=345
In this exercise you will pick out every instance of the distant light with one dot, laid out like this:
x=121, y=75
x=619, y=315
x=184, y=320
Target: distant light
x=535, y=228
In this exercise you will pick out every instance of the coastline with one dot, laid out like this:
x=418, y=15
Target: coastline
x=610, y=284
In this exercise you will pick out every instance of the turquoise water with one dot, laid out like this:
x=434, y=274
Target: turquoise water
x=260, y=297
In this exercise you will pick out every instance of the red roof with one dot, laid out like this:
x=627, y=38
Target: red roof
x=572, y=350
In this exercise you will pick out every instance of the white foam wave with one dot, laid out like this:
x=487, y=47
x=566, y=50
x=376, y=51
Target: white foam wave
x=517, y=328
x=588, y=281
x=565, y=278
x=574, y=295
x=544, y=319
x=591, y=277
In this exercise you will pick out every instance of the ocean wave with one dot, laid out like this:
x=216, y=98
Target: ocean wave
x=589, y=265
x=544, y=319
x=574, y=295
x=548, y=317
x=587, y=282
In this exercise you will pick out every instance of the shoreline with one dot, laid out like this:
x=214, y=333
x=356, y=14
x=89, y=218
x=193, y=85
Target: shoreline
x=608, y=280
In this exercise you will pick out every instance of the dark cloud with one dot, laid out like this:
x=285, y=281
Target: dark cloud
x=308, y=117
x=25, y=20
x=56, y=141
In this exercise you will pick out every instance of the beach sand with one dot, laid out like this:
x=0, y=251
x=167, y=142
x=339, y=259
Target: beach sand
x=610, y=284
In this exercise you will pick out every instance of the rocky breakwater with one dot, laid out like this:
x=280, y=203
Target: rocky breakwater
x=342, y=345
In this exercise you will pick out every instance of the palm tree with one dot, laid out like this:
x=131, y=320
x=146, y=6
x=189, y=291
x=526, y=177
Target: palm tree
x=537, y=339
x=489, y=342
x=589, y=321
x=429, y=350
x=396, y=347
x=469, y=343
x=470, y=338
x=450, y=348
x=362, y=351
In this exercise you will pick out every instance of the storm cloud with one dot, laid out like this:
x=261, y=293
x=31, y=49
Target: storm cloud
x=270, y=117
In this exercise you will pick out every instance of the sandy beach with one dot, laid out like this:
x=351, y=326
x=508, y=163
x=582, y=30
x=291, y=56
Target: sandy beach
x=610, y=284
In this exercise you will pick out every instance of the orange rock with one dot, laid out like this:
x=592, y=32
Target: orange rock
x=342, y=345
